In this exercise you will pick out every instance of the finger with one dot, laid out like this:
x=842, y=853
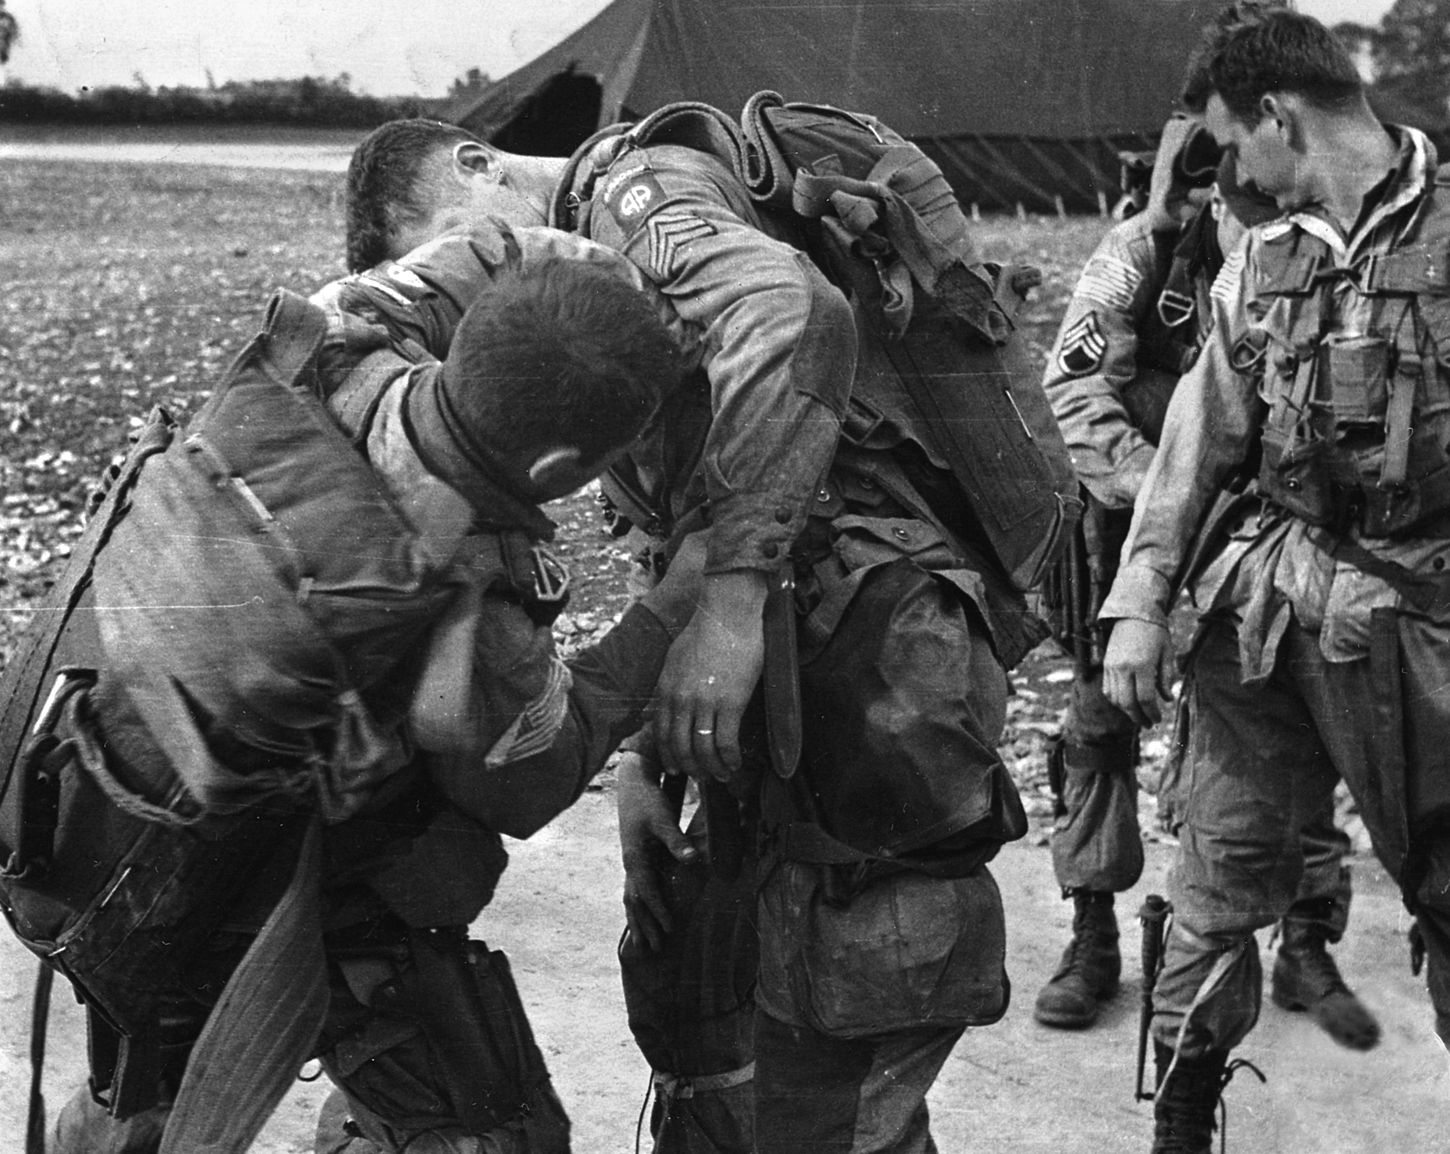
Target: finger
x=642, y=926
x=676, y=739
x=705, y=738
x=652, y=898
x=727, y=740
x=674, y=839
x=1146, y=694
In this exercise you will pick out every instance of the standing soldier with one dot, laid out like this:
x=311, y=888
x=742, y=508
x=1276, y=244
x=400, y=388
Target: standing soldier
x=1322, y=650
x=1135, y=324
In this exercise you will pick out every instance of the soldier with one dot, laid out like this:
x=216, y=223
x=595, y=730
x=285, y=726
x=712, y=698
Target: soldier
x=1322, y=644
x=1134, y=324
x=748, y=452
x=560, y=361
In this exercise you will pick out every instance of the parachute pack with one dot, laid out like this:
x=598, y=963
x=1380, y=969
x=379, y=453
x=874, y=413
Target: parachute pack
x=240, y=604
x=940, y=359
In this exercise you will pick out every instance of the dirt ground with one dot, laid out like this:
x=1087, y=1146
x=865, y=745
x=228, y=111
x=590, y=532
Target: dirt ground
x=1013, y=1087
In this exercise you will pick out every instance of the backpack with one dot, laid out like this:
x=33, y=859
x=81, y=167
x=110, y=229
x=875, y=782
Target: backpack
x=940, y=360
x=249, y=592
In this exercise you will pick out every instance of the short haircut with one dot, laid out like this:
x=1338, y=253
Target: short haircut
x=1255, y=47
x=555, y=353
x=387, y=182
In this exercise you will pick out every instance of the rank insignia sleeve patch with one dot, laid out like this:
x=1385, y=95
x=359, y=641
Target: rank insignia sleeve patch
x=1083, y=346
x=669, y=232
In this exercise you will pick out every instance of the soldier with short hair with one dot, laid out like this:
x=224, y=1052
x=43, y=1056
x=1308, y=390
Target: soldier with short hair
x=741, y=1029
x=1321, y=652
x=1135, y=323
x=555, y=362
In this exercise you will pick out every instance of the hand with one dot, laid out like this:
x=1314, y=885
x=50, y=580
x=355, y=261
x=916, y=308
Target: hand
x=709, y=675
x=1138, y=669
x=646, y=820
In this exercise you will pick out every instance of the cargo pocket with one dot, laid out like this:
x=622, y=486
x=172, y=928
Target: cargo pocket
x=907, y=952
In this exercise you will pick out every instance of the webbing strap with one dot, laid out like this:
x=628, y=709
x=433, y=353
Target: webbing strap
x=263, y=1027
x=30, y=668
x=688, y=1085
x=39, y=1019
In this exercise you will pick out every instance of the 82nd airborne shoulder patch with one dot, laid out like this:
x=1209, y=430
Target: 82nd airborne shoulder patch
x=1083, y=346
x=632, y=196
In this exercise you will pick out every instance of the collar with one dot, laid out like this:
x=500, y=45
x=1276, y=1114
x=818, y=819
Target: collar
x=1409, y=184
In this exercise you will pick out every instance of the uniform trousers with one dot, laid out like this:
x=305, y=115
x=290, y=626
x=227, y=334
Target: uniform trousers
x=1262, y=761
x=1096, y=844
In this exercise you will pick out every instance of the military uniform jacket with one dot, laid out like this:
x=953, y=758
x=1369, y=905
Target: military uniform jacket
x=757, y=449
x=1124, y=341
x=1331, y=326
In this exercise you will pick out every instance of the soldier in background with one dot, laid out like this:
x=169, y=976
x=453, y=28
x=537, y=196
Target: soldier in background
x=1321, y=652
x=1135, y=323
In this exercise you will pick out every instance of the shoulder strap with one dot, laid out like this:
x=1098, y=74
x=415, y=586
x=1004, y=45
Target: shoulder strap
x=31, y=667
x=264, y=1026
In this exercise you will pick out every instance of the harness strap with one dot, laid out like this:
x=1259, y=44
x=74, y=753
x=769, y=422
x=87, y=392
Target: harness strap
x=39, y=1019
x=264, y=1026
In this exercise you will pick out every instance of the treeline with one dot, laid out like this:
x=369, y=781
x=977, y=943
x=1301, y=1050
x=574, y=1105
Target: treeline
x=312, y=102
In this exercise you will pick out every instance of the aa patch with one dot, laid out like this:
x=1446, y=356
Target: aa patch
x=631, y=195
x=669, y=232
x=1083, y=346
x=1110, y=282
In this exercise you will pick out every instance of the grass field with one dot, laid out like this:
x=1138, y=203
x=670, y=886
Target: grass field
x=130, y=286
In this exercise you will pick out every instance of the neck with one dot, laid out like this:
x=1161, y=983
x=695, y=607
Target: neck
x=534, y=179
x=1347, y=156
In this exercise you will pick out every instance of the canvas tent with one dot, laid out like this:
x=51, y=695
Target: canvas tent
x=1020, y=101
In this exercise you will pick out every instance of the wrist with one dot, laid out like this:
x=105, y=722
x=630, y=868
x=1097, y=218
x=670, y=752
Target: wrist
x=735, y=595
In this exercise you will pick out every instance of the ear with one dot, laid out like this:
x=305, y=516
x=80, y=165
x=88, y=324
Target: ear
x=1281, y=110
x=474, y=158
x=554, y=466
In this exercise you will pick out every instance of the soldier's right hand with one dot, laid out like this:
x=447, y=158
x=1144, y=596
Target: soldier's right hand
x=646, y=822
x=1138, y=670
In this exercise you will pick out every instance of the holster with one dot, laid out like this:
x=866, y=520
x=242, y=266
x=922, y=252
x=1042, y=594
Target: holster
x=465, y=997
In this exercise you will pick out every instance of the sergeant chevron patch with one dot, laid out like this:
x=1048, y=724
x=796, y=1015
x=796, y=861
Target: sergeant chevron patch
x=1083, y=346
x=669, y=232
x=1110, y=282
x=534, y=730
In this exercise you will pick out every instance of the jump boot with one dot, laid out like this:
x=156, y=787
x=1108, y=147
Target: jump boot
x=84, y=1127
x=1184, y=1109
x=1306, y=978
x=1088, y=974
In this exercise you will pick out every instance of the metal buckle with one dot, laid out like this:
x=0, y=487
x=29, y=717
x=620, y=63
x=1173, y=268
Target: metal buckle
x=551, y=577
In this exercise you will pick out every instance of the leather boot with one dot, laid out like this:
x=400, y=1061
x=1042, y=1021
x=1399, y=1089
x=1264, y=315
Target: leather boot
x=1088, y=974
x=1184, y=1110
x=84, y=1127
x=1306, y=978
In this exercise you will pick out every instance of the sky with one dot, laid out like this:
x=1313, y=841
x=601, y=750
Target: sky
x=387, y=47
